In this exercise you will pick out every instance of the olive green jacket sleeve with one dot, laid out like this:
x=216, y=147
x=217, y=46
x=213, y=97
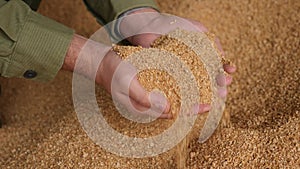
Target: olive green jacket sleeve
x=31, y=45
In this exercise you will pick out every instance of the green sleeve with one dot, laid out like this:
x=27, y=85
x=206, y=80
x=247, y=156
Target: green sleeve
x=108, y=10
x=30, y=42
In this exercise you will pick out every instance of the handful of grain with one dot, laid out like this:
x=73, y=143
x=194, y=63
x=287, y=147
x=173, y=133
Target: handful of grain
x=152, y=79
x=174, y=43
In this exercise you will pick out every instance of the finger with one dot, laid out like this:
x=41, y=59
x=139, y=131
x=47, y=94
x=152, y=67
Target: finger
x=138, y=106
x=229, y=68
x=197, y=109
x=200, y=26
x=155, y=110
x=201, y=108
x=138, y=93
x=228, y=80
x=156, y=101
x=222, y=92
x=219, y=46
x=159, y=102
x=168, y=108
x=137, y=112
x=125, y=82
x=144, y=40
x=221, y=80
x=166, y=116
x=145, y=111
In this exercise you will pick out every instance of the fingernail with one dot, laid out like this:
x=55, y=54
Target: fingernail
x=158, y=100
x=160, y=104
x=230, y=68
x=228, y=80
x=205, y=108
x=160, y=107
x=221, y=80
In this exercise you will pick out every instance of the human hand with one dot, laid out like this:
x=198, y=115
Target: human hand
x=145, y=40
x=153, y=22
x=116, y=82
x=119, y=78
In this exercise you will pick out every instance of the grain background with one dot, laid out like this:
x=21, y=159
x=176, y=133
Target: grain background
x=262, y=38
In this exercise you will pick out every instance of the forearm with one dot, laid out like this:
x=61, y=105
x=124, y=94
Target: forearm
x=74, y=49
x=86, y=57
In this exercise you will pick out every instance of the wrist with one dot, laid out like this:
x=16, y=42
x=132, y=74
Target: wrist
x=86, y=56
x=75, y=47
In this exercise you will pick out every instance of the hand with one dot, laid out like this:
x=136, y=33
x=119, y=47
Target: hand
x=133, y=28
x=138, y=96
x=118, y=76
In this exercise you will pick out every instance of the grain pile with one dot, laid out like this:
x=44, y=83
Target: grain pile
x=260, y=37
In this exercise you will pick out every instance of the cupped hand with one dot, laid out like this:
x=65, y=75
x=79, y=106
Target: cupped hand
x=153, y=22
x=97, y=61
x=119, y=78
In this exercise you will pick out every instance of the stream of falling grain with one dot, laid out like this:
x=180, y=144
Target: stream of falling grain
x=182, y=150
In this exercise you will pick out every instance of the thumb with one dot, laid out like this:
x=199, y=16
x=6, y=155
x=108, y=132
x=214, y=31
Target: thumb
x=143, y=99
x=126, y=85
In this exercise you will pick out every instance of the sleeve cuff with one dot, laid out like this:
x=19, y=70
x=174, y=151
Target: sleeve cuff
x=121, y=8
x=122, y=11
x=40, y=49
x=109, y=11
